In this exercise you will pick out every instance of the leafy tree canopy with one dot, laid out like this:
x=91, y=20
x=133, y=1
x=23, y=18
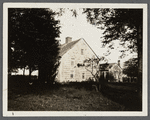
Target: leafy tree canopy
x=118, y=24
x=32, y=37
x=125, y=25
x=131, y=67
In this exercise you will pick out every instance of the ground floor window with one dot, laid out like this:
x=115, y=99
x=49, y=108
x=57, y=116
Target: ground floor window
x=83, y=75
x=71, y=75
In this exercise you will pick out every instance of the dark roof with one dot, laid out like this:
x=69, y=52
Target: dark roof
x=66, y=47
x=106, y=66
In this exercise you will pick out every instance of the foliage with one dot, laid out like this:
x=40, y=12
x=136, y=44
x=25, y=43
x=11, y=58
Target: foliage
x=92, y=65
x=61, y=11
x=131, y=67
x=32, y=39
x=111, y=77
x=125, y=25
x=118, y=24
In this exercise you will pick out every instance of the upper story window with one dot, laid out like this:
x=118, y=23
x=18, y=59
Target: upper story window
x=82, y=51
x=72, y=61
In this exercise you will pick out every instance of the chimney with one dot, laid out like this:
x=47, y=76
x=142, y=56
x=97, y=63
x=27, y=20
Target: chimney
x=68, y=39
x=118, y=62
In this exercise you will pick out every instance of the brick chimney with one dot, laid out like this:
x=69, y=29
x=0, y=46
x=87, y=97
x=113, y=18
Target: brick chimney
x=68, y=39
x=118, y=62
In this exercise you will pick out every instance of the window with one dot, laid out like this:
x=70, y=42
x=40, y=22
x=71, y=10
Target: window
x=72, y=63
x=83, y=75
x=71, y=75
x=82, y=51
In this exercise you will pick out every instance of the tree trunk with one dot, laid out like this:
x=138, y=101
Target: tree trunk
x=30, y=71
x=140, y=48
x=24, y=71
x=140, y=70
x=102, y=81
x=42, y=74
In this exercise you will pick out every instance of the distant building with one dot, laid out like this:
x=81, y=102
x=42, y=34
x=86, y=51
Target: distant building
x=73, y=53
x=112, y=72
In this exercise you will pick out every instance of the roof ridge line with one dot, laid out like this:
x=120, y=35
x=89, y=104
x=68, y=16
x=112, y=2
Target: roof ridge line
x=64, y=50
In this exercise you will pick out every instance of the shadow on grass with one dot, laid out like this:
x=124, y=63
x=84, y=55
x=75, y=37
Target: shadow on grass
x=19, y=85
x=125, y=94
x=70, y=96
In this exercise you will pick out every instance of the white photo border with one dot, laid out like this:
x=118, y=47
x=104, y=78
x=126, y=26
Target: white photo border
x=7, y=113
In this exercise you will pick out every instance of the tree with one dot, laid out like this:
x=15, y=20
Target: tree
x=131, y=67
x=92, y=66
x=32, y=40
x=121, y=24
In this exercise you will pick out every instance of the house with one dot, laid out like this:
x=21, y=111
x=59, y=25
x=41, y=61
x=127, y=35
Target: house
x=72, y=54
x=112, y=72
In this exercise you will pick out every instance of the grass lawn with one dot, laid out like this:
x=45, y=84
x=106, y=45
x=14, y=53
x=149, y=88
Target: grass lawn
x=71, y=97
x=63, y=99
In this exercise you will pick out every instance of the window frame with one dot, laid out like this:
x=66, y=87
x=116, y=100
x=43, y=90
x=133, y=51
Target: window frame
x=82, y=51
x=71, y=76
x=72, y=61
x=83, y=76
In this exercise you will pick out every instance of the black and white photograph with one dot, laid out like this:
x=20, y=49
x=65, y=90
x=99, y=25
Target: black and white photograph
x=74, y=59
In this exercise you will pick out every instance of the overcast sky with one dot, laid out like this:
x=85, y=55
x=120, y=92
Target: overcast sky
x=78, y=27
